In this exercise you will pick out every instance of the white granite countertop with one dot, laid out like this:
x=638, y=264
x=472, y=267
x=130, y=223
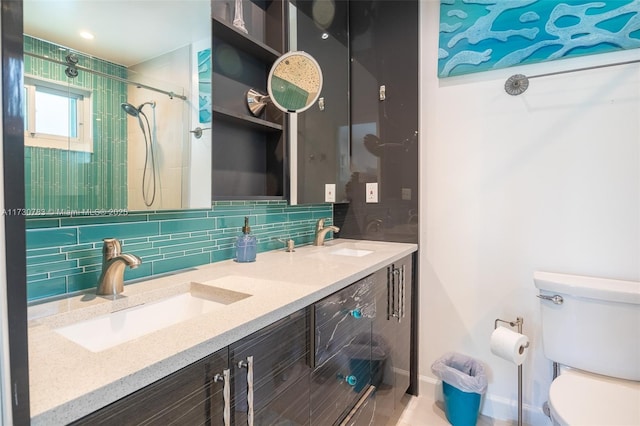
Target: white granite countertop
x=68, y=381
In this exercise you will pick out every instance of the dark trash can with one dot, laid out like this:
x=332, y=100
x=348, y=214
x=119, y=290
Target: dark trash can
x=463, y=383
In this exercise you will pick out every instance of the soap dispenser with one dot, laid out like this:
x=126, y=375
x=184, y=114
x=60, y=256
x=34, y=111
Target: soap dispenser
x=246, y=245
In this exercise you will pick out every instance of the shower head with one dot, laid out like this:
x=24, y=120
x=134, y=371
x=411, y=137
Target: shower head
x=133, y=111
x=130, y=109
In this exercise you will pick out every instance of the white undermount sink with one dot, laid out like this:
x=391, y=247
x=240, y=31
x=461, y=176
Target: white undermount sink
x=106, y=331
x=345, y=251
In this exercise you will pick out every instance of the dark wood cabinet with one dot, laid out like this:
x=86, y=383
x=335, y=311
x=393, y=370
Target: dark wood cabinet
x=363, y=333
x=275, y=361
x=344, y=360
x=190, y=396
x=270, y=368
x=367, y=131
x=249, y=154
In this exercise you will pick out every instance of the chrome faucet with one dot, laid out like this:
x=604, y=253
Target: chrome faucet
x=111, y=280
x=321, y=232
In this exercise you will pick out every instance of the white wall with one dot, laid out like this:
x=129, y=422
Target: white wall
x=548, y=180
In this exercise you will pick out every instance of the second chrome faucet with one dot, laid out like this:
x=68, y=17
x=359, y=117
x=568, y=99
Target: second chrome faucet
x=321, y=232
x=111, y=282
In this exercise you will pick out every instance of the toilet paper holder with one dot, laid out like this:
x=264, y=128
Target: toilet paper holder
x=517, y=323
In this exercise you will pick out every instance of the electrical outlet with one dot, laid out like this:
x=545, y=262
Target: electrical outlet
x=406, y=194
x=330, y=192
x=372, y=192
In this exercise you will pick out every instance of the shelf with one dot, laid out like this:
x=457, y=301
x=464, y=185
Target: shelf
x=224, y=114
x=249, y=197
x=245, y=42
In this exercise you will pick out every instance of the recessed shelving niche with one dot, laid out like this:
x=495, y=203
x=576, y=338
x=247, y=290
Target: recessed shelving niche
x=249, y=153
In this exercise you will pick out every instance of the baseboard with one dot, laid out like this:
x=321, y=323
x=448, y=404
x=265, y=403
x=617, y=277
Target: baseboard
x=494, y=406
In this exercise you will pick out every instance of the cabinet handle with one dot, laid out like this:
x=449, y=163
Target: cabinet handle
x=393, y=295
x=396, y=293
x=403, y=293
x=350, y=379
x=248, y=364
x=357, y=408
x=225, y=377
x=389, y=292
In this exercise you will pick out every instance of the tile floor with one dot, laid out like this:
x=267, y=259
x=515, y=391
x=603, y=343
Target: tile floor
x=424, y=411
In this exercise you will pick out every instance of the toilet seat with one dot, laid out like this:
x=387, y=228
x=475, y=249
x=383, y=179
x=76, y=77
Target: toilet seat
x=580, y=398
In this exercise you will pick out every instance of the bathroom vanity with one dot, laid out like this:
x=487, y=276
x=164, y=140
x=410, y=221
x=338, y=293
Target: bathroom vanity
x=290, y=336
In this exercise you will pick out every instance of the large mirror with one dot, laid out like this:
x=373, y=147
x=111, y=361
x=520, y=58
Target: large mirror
x=118, y=105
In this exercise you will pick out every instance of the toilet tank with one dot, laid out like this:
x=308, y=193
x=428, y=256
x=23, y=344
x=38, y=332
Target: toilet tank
x=596, y=327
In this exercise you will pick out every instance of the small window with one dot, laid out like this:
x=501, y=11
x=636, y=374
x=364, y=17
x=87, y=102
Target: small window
x=57, y=116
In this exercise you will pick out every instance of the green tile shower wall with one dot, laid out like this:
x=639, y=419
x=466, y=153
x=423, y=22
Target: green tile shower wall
x=60, y=180
x=64, y=253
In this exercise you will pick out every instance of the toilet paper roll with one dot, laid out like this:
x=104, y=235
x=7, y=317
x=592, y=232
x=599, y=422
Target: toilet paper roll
x=509, y=345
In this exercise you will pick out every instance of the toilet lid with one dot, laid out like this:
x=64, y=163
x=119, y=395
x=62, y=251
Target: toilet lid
x=580, y=398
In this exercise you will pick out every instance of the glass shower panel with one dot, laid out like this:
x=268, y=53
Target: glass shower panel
x=87, y=155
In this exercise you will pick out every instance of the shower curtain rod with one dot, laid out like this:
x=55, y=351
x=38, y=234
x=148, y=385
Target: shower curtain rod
x=518, y=83
x=120, y=79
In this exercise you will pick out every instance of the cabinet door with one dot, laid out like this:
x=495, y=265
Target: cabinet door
x=384, y=121
x=338, y=383
x=342, y=351
x=271, y=362
x=391, y=334
x=290, y=407
x=188, y=396
x=384, y=338
x=323, y=133
x=401, y=351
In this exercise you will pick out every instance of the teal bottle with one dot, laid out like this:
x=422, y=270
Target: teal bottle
x=246, y=244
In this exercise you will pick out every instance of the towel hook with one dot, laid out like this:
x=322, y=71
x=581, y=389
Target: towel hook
x=197, y=132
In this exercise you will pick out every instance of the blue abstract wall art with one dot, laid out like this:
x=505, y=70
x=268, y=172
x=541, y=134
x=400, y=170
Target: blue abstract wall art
x=204, y=85
x=480, y=35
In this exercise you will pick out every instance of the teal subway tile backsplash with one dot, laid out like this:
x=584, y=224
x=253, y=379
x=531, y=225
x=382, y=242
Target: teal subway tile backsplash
x=186, y=225
x=82, y=281
x=64, y=254
x=41, y=268
x=46, y=288
x=177, y=263
x=96, y=220
x=51, y=237
x=46, y=258
x=91, y=233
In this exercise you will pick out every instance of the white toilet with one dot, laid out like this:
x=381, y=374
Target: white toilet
x=591, y=328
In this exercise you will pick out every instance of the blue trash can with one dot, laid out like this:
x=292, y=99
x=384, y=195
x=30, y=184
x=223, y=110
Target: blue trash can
x=461, y=408
x=463, y=383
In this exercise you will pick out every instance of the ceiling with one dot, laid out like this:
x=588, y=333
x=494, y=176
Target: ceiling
x=127, y=32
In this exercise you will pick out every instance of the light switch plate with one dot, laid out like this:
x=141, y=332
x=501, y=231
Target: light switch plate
x=406, y=194
x=330, y=192
x=372, y=192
